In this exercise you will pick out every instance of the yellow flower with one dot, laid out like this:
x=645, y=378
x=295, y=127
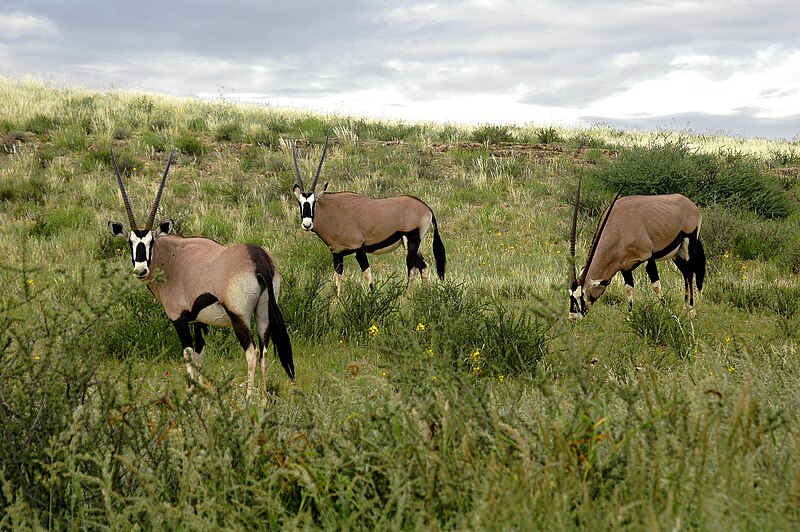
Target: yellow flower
x=727, y=339
x=434, y=378
x=420, y=327
x=731, y=369
x=475, y=355
x=30, y=282
x=373, y=330
x=429, y=351
x=477, y=370
x=36, y=357
x=501, y=378
x=384, y=374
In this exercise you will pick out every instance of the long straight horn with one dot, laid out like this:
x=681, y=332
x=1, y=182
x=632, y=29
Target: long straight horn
x=575, y=229
x=131, y=218
x=596, y=239
x=319, y=168
x=152, y=217
x=297, y=169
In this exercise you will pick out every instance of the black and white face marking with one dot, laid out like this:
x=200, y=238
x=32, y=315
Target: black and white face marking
x=141, y=245
x=308, y=204
x=577, y=305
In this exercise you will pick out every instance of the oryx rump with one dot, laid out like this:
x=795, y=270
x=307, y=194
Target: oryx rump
x=635, y=230
x=205, y=283
x=350, y=223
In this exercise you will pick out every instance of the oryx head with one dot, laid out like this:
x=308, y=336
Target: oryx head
x=584, y=292
x=141, y=240
x=307, y=199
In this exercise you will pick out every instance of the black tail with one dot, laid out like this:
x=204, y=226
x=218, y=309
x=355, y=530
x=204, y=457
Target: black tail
x=699, y=264
x=279, y=333
x=438, y=249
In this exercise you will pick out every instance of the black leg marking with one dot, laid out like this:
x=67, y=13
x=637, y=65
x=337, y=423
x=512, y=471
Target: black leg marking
x=199, y=341
x=627, y=276
x=184, y=334
x=420, y=262
x=361, y=257
x=686, y=269
x=338, y=263
x=412, y=250
x=652, y=270
x=242, y=331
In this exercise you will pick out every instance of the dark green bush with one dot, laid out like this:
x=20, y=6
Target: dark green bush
x=228, y=132
x=491, y=134
x=190, y=145
x=548, y=135
x=733, y=180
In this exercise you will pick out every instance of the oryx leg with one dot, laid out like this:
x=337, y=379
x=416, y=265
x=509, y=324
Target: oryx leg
x=422, y=266
x=241, y=326
x=363, y=262
x=652, y=272
x=199, y=349
x=185, y=336
x=627, y=276
x=685, y=267
x=412, y=242
x=338, y=269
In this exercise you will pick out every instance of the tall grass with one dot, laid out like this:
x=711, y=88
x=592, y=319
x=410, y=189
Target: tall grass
x=463, y=404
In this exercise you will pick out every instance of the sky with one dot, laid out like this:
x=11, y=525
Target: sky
x=716, y=66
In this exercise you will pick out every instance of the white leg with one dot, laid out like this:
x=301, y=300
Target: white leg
x=188, y=356
x=338, y=280
x=198, y=363
x=629, y=289
x=656, y=287
x=252, y=361
x=367, y=275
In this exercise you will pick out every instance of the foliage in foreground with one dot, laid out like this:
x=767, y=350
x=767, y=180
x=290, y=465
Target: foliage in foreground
x=408, y=442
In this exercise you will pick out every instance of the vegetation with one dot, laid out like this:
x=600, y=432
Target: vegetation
x=469, y=403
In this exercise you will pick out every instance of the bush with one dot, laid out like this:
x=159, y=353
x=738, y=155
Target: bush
x=491, y=134
x=228, y=132
x=733, y=180
x=190, y=145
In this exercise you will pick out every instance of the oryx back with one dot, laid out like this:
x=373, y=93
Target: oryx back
x=348, y=221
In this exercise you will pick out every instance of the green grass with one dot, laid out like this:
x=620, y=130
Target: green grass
x=465, y=404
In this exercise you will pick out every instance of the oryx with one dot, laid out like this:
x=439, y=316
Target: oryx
x=350, y=223
x=635, y=230
x=205, y=283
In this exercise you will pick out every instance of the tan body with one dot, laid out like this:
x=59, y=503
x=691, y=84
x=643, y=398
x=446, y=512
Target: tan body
x=347, y=221
x=202, y=282
x=350, y=223
x=636, y=230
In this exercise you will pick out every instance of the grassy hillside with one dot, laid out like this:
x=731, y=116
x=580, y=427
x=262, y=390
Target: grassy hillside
x=468, y=403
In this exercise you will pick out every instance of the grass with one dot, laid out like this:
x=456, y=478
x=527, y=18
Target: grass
x=468, y=403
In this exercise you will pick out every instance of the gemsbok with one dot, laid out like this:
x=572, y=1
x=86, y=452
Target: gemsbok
x=350, y=223
x=205, y=283
x=635, y=230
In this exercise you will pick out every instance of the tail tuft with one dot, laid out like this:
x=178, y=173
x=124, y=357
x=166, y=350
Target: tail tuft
x=699, y=264
x=438, y=249
x=279, y=334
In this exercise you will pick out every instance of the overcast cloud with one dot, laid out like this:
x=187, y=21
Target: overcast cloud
x=705, y=66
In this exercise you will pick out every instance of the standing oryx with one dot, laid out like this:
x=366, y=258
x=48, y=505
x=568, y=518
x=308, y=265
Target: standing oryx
x=206, y=283
x=635, y=230
x=351, y=223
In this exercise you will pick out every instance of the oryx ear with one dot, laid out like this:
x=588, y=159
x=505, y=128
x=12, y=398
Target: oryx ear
x=321, y=192
x=117, y=229
x=164, y=228
x=297, y=191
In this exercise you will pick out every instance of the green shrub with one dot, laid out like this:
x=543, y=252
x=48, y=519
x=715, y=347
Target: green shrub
x=492, y=134
x=41, y=124
x=190, y=145
x=655, y=323
x=548, y=135
x=733, y=180
x=228, y=132
x=30, y=189
x=154, y=140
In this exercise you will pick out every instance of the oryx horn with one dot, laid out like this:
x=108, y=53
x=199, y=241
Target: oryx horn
x=575, y=229
x=596, y=240
x=152, y=217
x=319, y=168
x=131, y=218
x=297, y=169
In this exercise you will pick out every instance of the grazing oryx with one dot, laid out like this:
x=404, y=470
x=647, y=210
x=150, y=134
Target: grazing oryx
x=633, y=230
x=351, y=223
x=206, y=283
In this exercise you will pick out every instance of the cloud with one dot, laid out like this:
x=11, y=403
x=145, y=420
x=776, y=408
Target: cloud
x=579, y=57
